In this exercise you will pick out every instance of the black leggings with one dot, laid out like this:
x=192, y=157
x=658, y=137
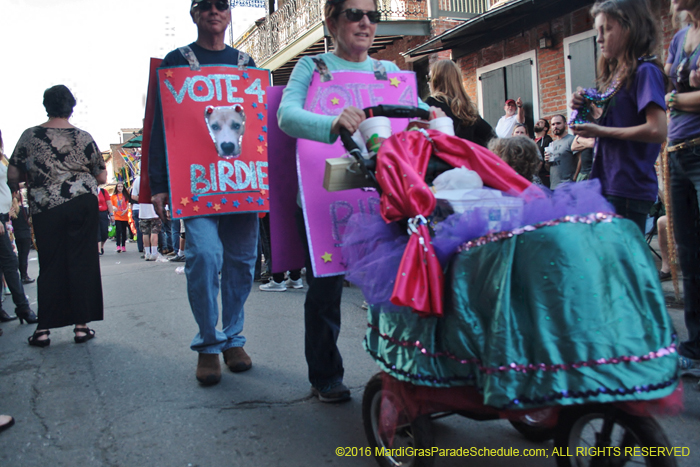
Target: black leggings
x=23, y=246
x=121, y=232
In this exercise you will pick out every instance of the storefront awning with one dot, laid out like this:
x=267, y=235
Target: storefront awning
x=497, y=24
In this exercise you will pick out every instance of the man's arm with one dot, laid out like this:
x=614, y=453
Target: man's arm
x=14, y=176
x=580, y=143
x=159, y=200
x=577, y=157
x=521, y=110
x=578, y=167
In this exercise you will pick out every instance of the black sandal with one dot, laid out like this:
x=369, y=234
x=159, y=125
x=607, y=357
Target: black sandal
x=39, y=343
x=89, y=334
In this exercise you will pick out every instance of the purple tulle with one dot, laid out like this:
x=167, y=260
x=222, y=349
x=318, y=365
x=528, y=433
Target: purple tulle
x=373, y=249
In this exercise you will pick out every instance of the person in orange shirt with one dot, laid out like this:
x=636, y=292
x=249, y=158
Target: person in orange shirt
x=120, y=203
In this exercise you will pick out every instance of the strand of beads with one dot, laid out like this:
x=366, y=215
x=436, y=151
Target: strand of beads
x=591, y=95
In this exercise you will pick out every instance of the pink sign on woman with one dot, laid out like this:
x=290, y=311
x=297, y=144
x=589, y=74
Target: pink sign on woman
x=326, y=213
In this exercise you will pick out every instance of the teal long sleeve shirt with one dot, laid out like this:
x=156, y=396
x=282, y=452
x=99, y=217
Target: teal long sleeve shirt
x=300, y=123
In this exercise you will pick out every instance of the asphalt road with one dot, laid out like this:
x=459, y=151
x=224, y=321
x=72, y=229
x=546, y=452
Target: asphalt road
x=129, y=397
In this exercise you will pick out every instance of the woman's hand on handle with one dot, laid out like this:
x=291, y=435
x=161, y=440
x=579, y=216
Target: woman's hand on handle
x=436, y=112
x=350, y=119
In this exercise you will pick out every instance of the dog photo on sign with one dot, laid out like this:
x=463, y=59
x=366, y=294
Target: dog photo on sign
x=226, y=127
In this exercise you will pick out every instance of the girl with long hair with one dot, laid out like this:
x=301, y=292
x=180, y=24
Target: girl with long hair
x=448, y=94
x=628, y=105
x=120, y=202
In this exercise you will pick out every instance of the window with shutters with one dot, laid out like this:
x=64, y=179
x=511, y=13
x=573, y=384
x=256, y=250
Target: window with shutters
x=580, y=57
x=509, y=79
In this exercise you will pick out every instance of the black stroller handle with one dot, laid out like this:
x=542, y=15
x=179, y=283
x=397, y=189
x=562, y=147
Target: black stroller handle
x=367, y=166
x=397, y=111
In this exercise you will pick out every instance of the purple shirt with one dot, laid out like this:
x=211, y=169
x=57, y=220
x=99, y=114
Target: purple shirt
x=626, y=168
x=683, y=125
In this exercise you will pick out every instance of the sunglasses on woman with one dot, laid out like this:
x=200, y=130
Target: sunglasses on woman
x=354, y=15
x=221, y=5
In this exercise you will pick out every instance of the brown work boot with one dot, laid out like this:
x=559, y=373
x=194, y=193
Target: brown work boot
x=237, y=359
x=208, y=369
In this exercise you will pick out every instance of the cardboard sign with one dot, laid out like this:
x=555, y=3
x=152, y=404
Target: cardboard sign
x=145, y=187
x=285, y=242
x=326, y=214
x=215, y=122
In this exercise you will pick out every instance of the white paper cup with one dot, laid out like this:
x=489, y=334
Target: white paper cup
x=443, y=124
x=359, y=140
x=375, y=130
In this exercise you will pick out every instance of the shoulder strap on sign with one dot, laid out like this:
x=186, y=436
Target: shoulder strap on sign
x=322, y=69
x=243, y=60
x=379, y=70
x=190, y=57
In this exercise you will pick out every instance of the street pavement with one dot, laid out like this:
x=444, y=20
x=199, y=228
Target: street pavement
x=129, y=397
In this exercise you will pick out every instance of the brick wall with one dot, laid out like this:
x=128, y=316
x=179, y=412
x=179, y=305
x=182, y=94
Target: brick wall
x=550, y=62
x=393, y=52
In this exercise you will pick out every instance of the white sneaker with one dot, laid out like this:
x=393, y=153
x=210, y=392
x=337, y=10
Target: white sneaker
x=273, y=286
x=297, y=284
x=150, y=257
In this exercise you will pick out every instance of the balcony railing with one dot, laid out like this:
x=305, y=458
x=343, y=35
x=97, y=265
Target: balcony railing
x=296, y=17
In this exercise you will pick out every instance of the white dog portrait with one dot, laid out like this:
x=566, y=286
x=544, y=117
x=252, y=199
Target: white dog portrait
x=226, y=127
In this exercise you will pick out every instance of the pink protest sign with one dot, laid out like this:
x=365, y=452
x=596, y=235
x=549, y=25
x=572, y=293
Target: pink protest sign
x=326, y=214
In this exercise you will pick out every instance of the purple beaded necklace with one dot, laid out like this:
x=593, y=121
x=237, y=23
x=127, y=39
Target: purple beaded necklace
x=591, y=95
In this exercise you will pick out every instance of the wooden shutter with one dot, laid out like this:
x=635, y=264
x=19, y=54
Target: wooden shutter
x=494, y=95
x=519, y=84
x=582, y=58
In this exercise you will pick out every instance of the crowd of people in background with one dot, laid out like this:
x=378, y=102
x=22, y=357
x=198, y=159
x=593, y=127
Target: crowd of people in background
x=625, y=133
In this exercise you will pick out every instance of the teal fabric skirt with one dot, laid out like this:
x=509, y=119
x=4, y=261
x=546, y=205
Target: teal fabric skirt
x=569, y=313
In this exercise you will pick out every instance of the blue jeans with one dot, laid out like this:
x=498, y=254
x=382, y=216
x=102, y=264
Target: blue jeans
x=139, y=237
x=165, y=236
x=226, y=244
x=685, y=193
x=636, y=210
x=9, y=266
x=321, y=322
x=175, y=234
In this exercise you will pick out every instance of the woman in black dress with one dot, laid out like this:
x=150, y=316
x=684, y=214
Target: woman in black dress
x=447, y=92
x=63, y=168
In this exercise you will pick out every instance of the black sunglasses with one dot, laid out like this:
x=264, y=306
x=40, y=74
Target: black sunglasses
x=354, y=15
x=221, y=5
